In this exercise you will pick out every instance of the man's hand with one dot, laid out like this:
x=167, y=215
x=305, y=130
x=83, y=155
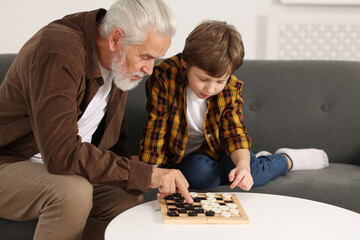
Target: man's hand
x=169, y=181
x=241, y=177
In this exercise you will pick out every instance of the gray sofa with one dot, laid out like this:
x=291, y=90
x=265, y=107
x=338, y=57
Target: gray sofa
x=295, y=104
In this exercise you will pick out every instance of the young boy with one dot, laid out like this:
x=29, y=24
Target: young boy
x=195, y=123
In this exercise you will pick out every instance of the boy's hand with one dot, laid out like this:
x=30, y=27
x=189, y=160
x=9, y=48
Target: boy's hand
x=169, y=181
x=241, y=177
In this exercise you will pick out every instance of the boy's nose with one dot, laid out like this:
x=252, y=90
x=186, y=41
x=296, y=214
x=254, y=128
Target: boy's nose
x=210, y=89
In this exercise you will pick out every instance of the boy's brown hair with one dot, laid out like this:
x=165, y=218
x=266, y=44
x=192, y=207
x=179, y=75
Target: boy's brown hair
x=215, y=47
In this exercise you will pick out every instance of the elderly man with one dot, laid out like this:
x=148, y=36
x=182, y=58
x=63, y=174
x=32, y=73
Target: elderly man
x=63, y=155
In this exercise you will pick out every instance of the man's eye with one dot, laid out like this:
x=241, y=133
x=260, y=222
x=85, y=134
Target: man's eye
x=147, y=57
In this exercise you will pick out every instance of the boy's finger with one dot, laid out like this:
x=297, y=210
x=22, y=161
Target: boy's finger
x=236, y=181
x=231, y=175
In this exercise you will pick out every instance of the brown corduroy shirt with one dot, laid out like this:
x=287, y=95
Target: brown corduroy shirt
x=48, y=87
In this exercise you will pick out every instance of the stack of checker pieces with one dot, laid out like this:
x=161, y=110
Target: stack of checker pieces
x=208, y=208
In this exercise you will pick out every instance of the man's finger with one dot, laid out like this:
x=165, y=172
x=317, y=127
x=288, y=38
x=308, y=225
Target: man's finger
x=185, y=193
x=162, y=195
x=173, y=186
x=182, y=186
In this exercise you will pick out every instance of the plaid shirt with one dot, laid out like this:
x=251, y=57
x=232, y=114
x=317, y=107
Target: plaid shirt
x=166, y=132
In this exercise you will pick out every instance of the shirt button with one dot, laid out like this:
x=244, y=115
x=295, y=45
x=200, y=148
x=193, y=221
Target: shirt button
x=209, y=135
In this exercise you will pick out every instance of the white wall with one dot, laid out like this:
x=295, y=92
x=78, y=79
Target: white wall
x=20, y=19
x=243, y=14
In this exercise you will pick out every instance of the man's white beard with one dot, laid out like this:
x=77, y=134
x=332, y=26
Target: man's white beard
x=122, y=80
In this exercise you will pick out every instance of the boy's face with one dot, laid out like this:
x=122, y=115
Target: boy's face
x=203, y=85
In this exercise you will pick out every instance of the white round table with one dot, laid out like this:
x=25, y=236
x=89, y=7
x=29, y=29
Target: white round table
x=271, y=217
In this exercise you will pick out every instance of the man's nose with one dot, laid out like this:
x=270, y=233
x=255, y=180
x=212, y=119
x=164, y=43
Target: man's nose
x=148, y=67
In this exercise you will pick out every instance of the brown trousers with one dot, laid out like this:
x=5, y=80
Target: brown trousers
x=64, y=204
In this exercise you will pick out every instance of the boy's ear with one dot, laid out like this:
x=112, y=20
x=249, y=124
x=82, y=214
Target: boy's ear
x=183, y=63
x=115, y=39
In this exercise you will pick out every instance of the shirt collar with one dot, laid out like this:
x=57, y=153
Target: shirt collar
x=92, y=21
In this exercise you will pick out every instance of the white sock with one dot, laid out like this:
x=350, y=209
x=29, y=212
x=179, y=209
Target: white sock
x=262, y=153
x=305, y=159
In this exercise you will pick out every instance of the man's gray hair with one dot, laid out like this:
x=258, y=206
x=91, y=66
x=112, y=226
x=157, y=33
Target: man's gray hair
x=136, y=18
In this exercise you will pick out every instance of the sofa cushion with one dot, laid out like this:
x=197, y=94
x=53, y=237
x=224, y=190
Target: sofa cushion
x=10, y=230
x=337, y=185
x=303, y=104
x=5, y=62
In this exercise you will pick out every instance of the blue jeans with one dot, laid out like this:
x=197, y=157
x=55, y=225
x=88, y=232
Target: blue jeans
x=203, y=172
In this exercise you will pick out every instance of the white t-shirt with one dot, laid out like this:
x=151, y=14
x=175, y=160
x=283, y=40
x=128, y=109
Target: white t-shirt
x=96, y=109
x=94, y=112
x=195, y=115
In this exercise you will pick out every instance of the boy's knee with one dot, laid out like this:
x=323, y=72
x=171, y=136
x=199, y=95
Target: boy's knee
x=198, y=164
x=201, y=171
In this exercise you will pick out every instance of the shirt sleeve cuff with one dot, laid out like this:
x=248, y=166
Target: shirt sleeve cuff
x=139, y=176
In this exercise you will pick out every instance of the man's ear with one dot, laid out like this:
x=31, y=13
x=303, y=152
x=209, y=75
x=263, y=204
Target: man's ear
x=116, y=39
x=183, y=63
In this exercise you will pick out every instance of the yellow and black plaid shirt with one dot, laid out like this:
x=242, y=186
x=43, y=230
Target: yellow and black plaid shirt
x=166, y=132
